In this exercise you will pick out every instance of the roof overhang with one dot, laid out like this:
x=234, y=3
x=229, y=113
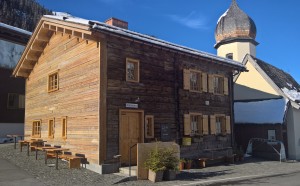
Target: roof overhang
x=40, y=39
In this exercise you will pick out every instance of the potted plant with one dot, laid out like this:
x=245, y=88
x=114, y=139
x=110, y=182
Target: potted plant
x=170, y=161
x=155, y=165
x=188, y=164
x=181, y=163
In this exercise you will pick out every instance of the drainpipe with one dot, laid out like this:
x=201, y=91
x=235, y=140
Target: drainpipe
x=176, y=98
x=232, y=109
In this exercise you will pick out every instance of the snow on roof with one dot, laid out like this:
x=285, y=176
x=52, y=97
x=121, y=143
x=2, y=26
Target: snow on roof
x=223, y=15
x=291, y=94
x=260, y=112
x=15, y=29
x=103, y=26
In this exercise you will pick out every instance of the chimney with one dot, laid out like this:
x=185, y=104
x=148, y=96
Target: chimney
x=117, y=22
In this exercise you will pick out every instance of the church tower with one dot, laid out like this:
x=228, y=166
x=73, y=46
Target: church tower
x=235, y=34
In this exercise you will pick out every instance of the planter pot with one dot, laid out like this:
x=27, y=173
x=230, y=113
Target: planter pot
x=155, y=176
x=202, y=163
x=169, y=175
x=236, y=158
x=188, y=165
x=181, y=165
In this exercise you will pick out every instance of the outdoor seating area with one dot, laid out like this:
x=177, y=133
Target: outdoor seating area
x=56, y=152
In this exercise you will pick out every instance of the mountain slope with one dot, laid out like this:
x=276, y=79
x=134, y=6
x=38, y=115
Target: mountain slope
x=23, y=14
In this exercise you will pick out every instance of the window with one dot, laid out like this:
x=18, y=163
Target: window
x=64, y=127
x=53, y=82
x=218, y=85
x=194, y=80
x=132, y=70
x=36, y=129
x=149, y=126
x=229, y=55
x=195, y=124
x=220, y=124
x=271, y=135
x=51, y=127
x=15, y=101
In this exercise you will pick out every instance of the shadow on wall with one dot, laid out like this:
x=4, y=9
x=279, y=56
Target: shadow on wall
x=242, y=92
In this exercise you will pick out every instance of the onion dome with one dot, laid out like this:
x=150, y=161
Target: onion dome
x=234, y=24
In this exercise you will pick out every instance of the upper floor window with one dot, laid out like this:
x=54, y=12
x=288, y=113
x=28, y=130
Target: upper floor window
x=36, y=129
x=194, y=80
x=53, y=82
x=229, y=55
x=132, y=70
x=218, y=84
x=15, y=101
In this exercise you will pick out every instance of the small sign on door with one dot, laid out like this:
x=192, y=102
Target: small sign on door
x=131, y=105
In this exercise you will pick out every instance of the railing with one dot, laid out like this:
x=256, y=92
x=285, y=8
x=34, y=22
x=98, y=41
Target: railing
x=130, y=159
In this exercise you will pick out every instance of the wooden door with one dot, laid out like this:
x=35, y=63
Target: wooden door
x=130, y=134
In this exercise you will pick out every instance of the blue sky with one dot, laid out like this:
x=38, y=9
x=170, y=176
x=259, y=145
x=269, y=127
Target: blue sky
x=192, y=23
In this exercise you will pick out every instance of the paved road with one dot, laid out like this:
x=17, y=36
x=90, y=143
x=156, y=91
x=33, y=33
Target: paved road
x=290, y=179
x=11, y=175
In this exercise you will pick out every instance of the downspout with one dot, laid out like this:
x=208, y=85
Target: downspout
x=176, y=99
x=232, y=108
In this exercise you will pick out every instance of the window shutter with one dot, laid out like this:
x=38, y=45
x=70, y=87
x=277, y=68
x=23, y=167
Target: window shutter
x=186, y=79
x=204, y=82
x=212, y=124
x=200, y=125
x=187, y=125
x=205, y=124
x=225, y=85
x=21, y=101
x=32, y=132
x=223, y=126
x=228, y=126
x=211, y=83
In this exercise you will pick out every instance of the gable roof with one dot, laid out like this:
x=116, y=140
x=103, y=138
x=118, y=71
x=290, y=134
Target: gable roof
x=14, y=34
x=281, y=78
x=282, y=81
x=84, y=29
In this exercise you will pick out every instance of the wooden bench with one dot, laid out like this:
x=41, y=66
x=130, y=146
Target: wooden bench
x=74, y=161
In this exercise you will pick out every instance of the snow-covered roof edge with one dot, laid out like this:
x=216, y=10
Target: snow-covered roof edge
x=15, y=29
x=261, y=112
x=103, y=26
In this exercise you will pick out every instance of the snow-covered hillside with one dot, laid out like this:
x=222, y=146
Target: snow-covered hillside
x=10, y=54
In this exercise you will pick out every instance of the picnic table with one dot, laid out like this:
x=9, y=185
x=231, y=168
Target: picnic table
x=56, y=151
x=30, y=142
x=42, y=149
x=15, y=136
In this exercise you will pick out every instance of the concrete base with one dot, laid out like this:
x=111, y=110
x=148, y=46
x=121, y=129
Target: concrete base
x=104, y=168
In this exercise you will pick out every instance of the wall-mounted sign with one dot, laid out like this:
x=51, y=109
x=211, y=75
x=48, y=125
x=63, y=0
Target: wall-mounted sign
x=132, y=105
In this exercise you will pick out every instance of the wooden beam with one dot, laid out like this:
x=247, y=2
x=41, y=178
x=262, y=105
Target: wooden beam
x=27, y=66
x=42, y=38
x=37, y=48
x=22, y=74
x=31, y=57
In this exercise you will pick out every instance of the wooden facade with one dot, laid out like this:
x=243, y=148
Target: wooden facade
x=106, y=113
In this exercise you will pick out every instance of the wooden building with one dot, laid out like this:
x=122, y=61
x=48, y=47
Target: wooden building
x=12, y=90
x=99, y=88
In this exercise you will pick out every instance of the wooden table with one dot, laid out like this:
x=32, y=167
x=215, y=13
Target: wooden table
x=28, y=143
x=15, y=136
x=41, y=149
x=56, y=151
